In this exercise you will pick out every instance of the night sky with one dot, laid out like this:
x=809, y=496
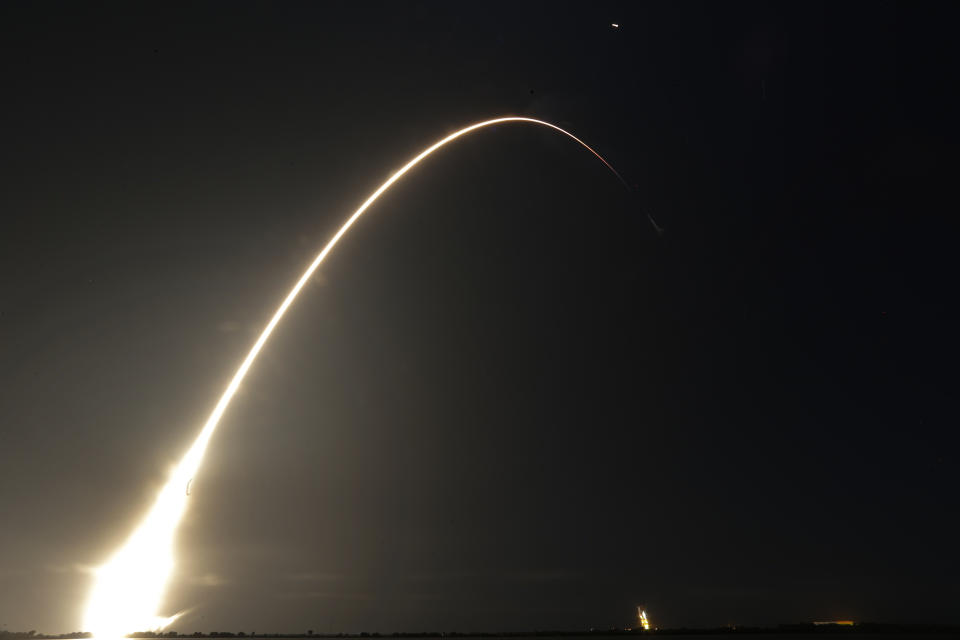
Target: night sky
x=505, y=402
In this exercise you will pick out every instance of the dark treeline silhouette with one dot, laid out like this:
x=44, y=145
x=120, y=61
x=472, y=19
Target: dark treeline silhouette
x=785, y=629
x=26, y=635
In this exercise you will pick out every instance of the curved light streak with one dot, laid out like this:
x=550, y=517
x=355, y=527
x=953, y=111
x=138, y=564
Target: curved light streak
x=129, y=587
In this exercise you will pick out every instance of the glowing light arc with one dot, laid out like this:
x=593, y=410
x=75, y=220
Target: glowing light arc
x=129, y=587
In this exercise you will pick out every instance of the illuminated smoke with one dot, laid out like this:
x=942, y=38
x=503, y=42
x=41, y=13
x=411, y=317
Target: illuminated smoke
x=128, y=590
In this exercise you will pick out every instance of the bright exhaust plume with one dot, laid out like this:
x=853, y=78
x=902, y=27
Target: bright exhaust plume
x=128, y=589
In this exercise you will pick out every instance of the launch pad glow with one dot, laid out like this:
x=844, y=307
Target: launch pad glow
x=128, y=589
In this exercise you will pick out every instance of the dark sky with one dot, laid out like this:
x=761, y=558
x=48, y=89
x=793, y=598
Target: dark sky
x=505, y=402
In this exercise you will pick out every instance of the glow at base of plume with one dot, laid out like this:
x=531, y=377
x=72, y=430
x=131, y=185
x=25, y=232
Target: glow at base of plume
x=644, y=621
x=128, y=589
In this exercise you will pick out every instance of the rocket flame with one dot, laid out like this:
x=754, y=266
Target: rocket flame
x=129, y=588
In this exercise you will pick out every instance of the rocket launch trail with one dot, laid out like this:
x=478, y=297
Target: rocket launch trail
x=128, y=589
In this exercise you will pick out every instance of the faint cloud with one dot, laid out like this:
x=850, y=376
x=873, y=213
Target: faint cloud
x=445, y=576
x=74, y=567
x=730, y=591
x=524, y=575
x=542, y=575
x=321, y=585
x=322, y=595
x=228, y=326
x=208, y=580
x=429, y=597
x=313, y=576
